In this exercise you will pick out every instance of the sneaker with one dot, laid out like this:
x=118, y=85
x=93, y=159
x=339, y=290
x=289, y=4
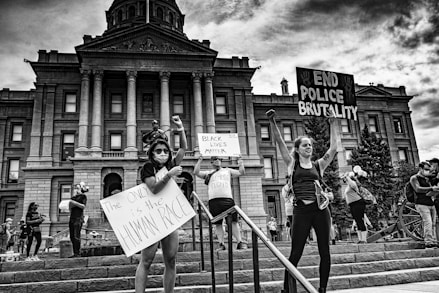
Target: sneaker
x=36, y=258
x=28, y=259
x=221, y=247
x=239, y=246
x=430, y=245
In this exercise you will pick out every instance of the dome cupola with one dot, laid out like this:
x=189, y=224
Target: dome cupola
x=129, y=13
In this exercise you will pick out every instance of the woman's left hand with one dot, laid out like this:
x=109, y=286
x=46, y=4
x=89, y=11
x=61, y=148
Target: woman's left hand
x=330, y=115
x=177, y=121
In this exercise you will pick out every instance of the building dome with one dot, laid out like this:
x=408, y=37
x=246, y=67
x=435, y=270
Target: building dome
x=129, y=13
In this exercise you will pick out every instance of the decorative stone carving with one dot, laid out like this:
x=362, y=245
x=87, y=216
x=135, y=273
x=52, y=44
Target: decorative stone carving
x=145, y=44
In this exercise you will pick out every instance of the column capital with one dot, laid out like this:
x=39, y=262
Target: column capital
x=98, y=73
x=196, y=76
x=164, y=75
x=131, y=74
x=85, y=73
x=209, y=75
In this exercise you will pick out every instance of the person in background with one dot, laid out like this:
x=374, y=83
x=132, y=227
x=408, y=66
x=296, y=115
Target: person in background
x=5, y=234
x=307, y=212
x=24, y=233
x=424, y=203
x=77, y=206
x=159, y=157
x=218, y=181
x=356, y=204
x=434, y=181
x=272, y=227
x=33, y=220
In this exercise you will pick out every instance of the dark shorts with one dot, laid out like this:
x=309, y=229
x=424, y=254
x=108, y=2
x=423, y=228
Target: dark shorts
x=219, y=205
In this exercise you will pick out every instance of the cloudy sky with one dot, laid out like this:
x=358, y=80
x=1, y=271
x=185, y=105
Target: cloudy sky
x=394, y=42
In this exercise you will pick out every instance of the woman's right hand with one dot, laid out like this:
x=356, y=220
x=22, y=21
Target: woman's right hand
x=270, y=113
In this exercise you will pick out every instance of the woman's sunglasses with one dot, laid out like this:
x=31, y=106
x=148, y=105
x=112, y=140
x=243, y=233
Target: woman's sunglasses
x=159, y=151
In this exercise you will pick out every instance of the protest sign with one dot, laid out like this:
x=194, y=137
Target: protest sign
x=219, y=144
x=140, y=218
x=320, y=91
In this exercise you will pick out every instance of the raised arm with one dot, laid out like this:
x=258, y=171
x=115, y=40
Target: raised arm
x=288, y=159
x=197, y=171
x=240, y=171
x=417, y=187
x=335, y=137
x=183, y=141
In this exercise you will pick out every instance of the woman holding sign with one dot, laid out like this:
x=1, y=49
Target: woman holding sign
x=309, y=210
x=160, y=156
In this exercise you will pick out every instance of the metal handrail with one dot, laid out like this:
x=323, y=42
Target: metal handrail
x=256, y=233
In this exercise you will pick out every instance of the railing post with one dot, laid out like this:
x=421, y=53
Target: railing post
x=230, y=251
x=255, y=262
x=200, y=218
x=212, y=257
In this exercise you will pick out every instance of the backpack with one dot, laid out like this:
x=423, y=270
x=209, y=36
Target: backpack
x=409, y=192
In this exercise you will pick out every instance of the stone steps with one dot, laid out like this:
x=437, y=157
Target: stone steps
x=353, y=266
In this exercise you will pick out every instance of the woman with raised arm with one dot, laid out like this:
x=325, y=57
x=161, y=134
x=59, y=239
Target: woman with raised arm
x=160, y=156
x=307, y=213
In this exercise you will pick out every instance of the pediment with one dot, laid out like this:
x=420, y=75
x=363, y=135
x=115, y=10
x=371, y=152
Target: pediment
x=372, y=91
x=148, y=38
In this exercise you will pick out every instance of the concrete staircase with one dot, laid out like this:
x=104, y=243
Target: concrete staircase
x=353, y=266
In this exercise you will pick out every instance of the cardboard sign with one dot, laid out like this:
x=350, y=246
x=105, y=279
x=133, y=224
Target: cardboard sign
x=219, y=144
x=320, y=91
x=140, y=218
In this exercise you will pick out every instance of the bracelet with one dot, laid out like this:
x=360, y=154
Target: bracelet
x=180, y=129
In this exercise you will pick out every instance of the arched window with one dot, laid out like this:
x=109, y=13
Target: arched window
x=171, y=18
x=119, y=16
x=142, y=9
x=131, y=12
x=160, y=13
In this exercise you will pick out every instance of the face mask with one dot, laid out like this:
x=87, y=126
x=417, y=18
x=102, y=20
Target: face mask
x=162, y=158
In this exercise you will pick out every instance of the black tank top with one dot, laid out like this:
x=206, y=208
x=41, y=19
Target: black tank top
x=303, y=182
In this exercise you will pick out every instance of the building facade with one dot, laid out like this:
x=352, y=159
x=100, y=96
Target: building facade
x=85, y=119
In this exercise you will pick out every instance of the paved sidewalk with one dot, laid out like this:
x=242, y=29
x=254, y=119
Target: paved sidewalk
x=421, y=287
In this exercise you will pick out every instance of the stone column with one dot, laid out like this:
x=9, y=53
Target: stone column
x=388, y=123
x=411, y=135
x=47, y=146
x=131, y=149
x=196, y=79
x=96, y=123
x=210, y=111
x=35, y=136
x=165, y=119
x=83, y=114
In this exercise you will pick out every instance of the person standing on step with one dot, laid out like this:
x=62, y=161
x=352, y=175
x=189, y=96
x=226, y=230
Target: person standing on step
x=434, y=180
x=272, y=227
x=307, y=212
x=5, y=235
x=33, y=220
x=356, y=204
x=219, y=185
x=77, y=206
x=160, y=156
x=423, y=202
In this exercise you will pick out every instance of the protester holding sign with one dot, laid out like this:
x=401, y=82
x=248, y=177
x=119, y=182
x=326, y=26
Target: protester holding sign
x=220, y=195
x=307, y=212
x=33, y=220
x=160, y=156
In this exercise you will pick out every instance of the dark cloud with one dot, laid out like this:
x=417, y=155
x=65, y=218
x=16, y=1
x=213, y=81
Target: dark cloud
x=427, y=104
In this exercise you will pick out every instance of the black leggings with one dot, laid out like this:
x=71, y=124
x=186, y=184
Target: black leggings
x=305, y=218
x=357, y=210
x=29, y=242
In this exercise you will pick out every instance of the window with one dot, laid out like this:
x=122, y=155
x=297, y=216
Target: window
x=70, y=103
x=345, y=126
x=287, y=133
x=178, y=105
x=268, y=168
x=176, y=141
x=119, y=16
x=171, y=18
x=116, y=103
x=265, y=133
x=348, y=154
x=402, y=153
x=116, y=142
x=17, y=132
x=9, y=210
x=68, y=146
x=220, y=104
x=131, y=12
x=14, y=168
x=160, y=13
x=397, y=125
x=66, y=192
x=373, y=124
x=147, y=103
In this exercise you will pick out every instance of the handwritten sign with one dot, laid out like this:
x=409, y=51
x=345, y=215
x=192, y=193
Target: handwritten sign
x=140, y=218
x=320, y=91
x=219, y=144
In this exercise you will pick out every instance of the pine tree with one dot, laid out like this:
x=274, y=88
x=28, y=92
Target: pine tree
x=373, y=156
x=317, y=128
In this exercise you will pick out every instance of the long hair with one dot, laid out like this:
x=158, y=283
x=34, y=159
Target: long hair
x=31, y=205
